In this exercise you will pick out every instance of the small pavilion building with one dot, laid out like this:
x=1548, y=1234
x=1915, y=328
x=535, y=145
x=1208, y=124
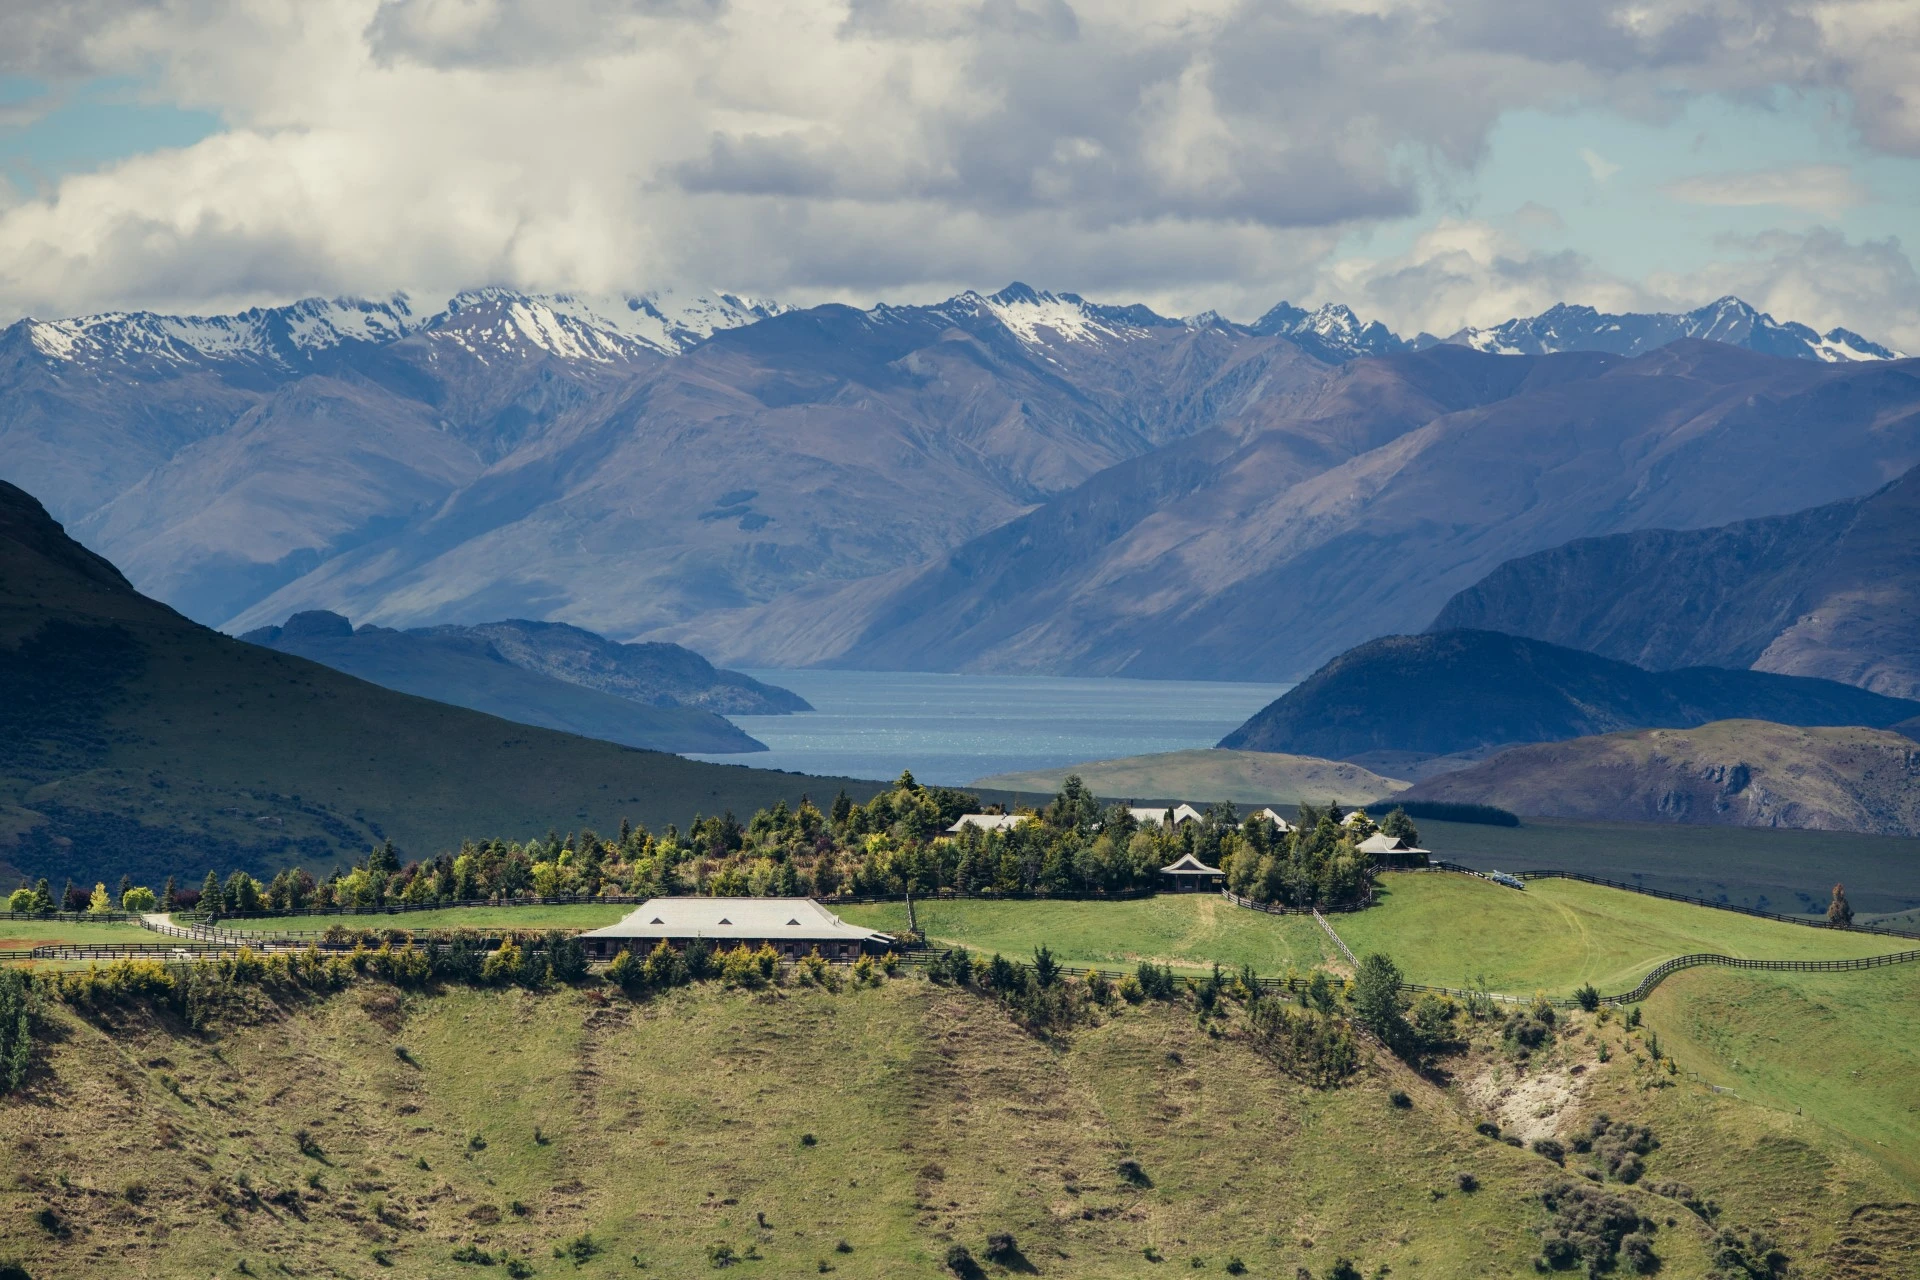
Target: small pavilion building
x=1188, y=873
x=794, y=927
x=987, y=822
x=1393, y=851
x=1182, y=814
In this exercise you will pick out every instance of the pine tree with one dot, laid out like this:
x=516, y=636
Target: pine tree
x=842, y=809
x=168, y=900
x=210, y=901
x=1839, y=912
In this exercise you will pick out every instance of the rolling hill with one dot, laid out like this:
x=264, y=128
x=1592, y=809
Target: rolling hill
x=134, y=740
x=468, y=670
x=1243, y=777
x=1746, y=773
x=1458, y=691
x=1832, y=592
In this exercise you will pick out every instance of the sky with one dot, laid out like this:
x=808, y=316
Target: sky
x=1432, y=163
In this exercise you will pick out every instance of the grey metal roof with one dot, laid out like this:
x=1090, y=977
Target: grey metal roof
x=1188, y=865
x=740, y=919
x=989, y=821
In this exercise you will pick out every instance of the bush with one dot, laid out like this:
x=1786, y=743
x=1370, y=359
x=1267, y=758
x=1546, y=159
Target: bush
x=1467, y=1182
x=1400, y=1099
x=1002, y=1249
x=1235, y=1267
x=138, y=899
x=960, y=1260
x=1590, y=1226
x=1551, y=1149
x=1588, y=997
x=625, y=972
x=721, y=1255
x=1313, y=1047
x=579, y=1250
x=1130, y=989
x=1343, y=1269
x=18, y=1008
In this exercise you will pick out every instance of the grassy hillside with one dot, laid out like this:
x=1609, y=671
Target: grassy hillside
x=1441, y=929
x=1840, y=1051
x=514, y=1123
x=1244, y=777
x=1743, y=773
x=1557, y=934
x=134, y=740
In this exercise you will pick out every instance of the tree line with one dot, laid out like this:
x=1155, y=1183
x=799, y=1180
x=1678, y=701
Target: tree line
x=898, y=842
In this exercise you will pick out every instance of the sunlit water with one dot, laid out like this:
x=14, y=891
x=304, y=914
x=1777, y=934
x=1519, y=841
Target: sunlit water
x=952, y=729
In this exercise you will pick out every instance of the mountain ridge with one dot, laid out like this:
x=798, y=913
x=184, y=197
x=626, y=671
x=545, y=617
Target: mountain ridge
x=1831, y=591
x=1459, y=691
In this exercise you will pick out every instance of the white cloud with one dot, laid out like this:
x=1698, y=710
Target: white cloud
x=1815, y=188
x=1818, y=277
x=1598, y=165
x=1191, y=153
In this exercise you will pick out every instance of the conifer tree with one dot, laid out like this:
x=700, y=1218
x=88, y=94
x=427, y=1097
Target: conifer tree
x=1839, y=911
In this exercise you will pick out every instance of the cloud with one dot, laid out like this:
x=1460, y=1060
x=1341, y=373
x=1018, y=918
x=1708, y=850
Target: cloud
x=1818, y=277
x=1813, y=188
x=1598, y=165
x=1191, y=153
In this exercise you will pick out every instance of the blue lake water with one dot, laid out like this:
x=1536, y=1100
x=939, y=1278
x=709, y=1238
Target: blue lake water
x=952, y=729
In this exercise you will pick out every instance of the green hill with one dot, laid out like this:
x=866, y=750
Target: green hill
x=133, y=740
x=1244, y=777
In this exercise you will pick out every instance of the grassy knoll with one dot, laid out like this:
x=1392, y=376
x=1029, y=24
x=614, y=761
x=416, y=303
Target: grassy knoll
x=1775, y=870
x=1839, y=1050
x=1185, y=930
x=544, y=916
x=517, y=1122
x=1557, y=934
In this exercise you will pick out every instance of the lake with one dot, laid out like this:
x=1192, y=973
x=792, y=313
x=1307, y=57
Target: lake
x=952, y=729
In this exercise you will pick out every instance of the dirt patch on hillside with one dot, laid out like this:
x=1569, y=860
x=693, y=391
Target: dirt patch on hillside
x=1525, y=1104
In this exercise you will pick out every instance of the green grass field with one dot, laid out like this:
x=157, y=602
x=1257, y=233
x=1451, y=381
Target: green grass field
x=1557, y=934
x=1440, y=929
x=1188, y=931
x=552, y=916
x=1840, y=1050
x=44, y=933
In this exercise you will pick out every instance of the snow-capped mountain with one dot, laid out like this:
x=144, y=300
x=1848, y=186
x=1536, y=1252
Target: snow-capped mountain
x=484, y=321
x=1039, y=318
x=275, y=334
x=1331, y=332
x=1729, y=320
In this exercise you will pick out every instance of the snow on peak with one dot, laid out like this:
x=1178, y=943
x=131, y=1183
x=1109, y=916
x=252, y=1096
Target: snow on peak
x=1728, y=320
x=1040, y=319
x=1331, y=331
x=605, y=327
x=272, y=334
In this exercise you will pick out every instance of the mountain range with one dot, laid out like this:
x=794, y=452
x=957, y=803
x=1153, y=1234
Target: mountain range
x=1063, y=486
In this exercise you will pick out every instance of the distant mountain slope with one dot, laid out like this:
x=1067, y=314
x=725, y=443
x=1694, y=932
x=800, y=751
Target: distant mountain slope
x=1209, y=774
x=132, y=739
x=635, y=464
x=1832, y=592
x=1464, y=690
x=665, y=675
x=1729, y=320
x=1259, y=549
x=1745, y=773
x=467, y=670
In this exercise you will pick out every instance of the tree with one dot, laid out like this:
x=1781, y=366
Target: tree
x=384, y=858
x=1839, y=912
x=1398, y=825
x=210, y=896
x=1376, y=1002
x=138, y=899
x=168, y=898
x=99, y=903
x=1046, y=969
x=22, y=900
x=16, y=1026
x=842, y=809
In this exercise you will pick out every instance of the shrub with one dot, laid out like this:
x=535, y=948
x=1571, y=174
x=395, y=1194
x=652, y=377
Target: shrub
x=1235, y=1267
x=1590, y=1226
x=566, y=958
x=624, y=972
x=721, y=1255
x=864, y=973
x=1099, y=989
x=1400, y=1099
x=1316, y=1048
x=579, y=1250
x=1002, y=1249
x=1133, y=1174
x=1588, y=997
x=1343, y=1269
x=1046, y=969
x=1130, y=989
x=18, y=1008
x=960, y=1260
x=1551, y=1149
x=139, y=898
x=1467, y=1182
